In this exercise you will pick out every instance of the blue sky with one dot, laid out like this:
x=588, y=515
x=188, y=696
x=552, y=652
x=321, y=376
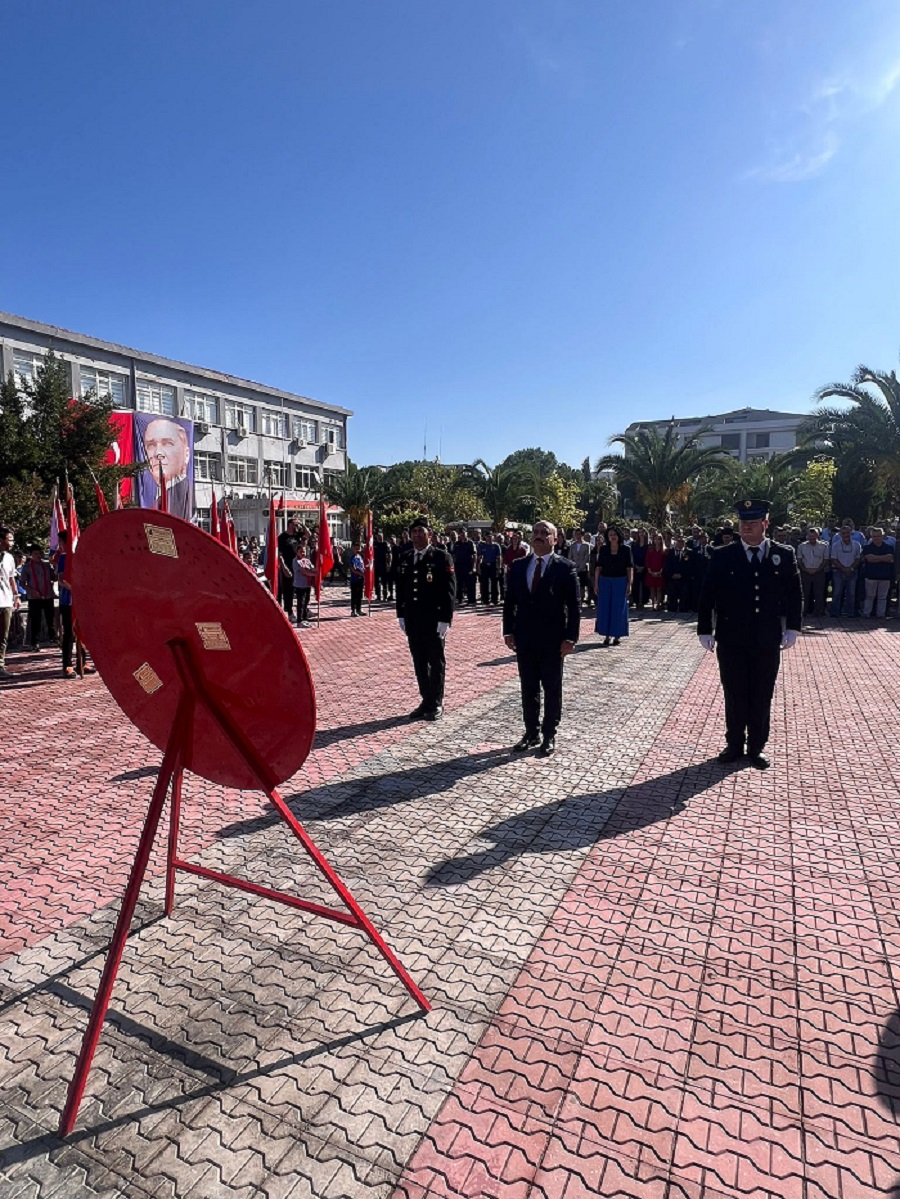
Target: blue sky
x=520, y=221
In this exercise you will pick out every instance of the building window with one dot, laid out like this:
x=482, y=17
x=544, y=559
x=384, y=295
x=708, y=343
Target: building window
x=242, y=470
x=332, y=477
x=204, y=519
x=333, y=437
x=240, y=416
x=307, y=478
x=208, y=467
x=758, y=441
x=26, y=365
x=731, y=441
x=155, y=397
x=105, y=383
x=274, y=424
x=201, y=407
x=277, y=474
x=306, y=430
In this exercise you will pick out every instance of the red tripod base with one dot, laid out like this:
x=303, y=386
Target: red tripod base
x=175, y=761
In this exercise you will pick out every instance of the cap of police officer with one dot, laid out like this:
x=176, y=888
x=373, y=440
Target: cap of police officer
x=752, y=509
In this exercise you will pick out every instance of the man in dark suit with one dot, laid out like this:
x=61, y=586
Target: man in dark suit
x=541, y=619
x=751, y=584
x=426, y=589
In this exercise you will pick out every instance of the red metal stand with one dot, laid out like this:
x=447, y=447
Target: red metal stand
x=175, y=761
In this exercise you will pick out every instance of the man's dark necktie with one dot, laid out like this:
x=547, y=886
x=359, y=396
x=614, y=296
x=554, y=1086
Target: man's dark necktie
x=754, y=550
x=536, y=577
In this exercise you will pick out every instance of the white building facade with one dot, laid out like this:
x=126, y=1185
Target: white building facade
x=248, y=438
x=749, y=434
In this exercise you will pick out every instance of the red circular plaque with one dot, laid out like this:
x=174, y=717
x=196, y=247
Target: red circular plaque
x=141, y=579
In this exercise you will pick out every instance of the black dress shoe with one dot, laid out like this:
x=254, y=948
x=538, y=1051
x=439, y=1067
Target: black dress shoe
x=435, y=714
x=418, y=713
x=729, y=755
x=548, y=747
x=529, y=741
x=759, y=761
x=605, y=643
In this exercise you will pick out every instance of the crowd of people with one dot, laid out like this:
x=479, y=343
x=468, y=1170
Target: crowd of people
x=845, y=572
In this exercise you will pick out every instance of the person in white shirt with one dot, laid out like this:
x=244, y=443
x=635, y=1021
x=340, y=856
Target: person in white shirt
x=845, y=555
x=9, y=595
x=812, y=558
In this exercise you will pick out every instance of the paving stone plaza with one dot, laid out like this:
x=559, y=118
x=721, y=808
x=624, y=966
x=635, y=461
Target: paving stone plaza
x=651, y=975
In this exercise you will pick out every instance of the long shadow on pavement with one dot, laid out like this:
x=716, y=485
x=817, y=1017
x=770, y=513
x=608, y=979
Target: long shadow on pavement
x=48, y=1142
x=886, y=1073
x=334, y=801
x=580, y=821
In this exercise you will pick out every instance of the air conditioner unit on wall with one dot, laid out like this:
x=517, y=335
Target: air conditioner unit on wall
x=241, y=430
x=201, y=428
x=300, y=443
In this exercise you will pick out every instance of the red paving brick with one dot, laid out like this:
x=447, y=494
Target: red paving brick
x=703, y=1012
x=711, y=1009
x=85, y=773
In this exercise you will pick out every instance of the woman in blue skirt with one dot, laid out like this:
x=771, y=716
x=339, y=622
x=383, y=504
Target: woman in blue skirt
x=612, y=584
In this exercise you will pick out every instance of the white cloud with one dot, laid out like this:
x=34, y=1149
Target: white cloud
x=831, y=110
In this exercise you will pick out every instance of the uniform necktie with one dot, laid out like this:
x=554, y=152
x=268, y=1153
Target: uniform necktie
x=536, y=577
x=754, y=550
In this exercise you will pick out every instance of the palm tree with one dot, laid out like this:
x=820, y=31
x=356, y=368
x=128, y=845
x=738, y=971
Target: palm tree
x=502, y=489
x=356, y=491
x=864, y=439
x=661, y=468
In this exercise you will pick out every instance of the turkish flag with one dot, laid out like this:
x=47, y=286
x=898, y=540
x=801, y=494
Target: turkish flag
x=324, y=554
x=369, y=559
x=121, y=447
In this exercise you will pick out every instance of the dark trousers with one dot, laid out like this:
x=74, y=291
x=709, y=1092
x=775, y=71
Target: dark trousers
x=68, y=637
x=748, y=680
x=490, y=591
x=286, y=587
x=585, y=586
x=356, y=594
x=302, y=594
x=638, y=590
x=40, y=611
x=673, y=595
x=541, y=669
x=383, y=586
x=427, y=649
x=813, y=592
x=467, y=584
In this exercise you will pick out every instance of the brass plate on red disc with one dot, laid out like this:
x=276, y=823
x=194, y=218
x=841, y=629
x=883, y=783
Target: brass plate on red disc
x=133, y=596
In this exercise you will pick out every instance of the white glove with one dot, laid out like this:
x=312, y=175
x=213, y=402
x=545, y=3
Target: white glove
x=788, y=637
x=402, y=623
x=707, y=641
x=443, y=626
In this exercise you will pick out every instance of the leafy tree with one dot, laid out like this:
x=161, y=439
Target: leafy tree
x=534, y=461
x=559, y=502
x=356, y=491
x=25, y=507
x=811, y=492
x=662, y=470
x=47, y=435
x=767, y=479
x=444, y=493
x=17, y=449
x=599, y=500
x=862, y=439
x=502, y=489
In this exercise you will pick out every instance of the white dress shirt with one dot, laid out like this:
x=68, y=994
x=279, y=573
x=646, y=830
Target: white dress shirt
x=532, y=566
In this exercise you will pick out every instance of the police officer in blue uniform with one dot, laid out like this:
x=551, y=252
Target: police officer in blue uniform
x=426, y=590
x=752, y=596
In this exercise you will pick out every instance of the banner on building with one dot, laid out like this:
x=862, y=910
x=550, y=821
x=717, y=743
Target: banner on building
x=167, y=441
x=121, y=448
